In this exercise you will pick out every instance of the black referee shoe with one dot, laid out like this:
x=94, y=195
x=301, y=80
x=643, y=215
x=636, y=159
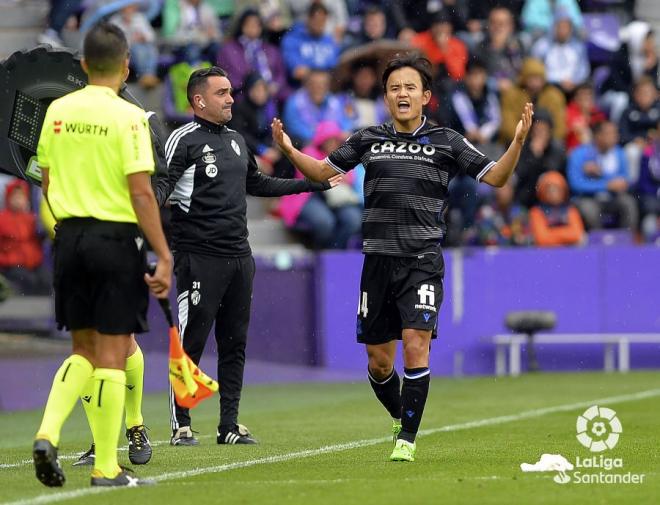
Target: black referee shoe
x=46, y=465
x=238, y=434
x=123, y=479
x=139, y=447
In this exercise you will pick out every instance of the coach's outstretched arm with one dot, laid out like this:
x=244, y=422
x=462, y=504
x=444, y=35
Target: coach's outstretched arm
x=502, y=170
x=316, y=170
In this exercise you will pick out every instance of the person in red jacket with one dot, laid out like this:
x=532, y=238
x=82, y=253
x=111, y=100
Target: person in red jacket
x=582, y=114
x=555, y=222
x=21, y=254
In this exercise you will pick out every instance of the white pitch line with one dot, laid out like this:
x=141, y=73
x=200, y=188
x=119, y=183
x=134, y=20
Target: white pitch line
x=490, y=421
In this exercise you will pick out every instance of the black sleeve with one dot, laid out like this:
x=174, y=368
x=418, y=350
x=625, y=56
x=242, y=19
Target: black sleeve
x=348, y=155
x=176, y=162
x=258, y=184
x=468, y=158
x=159, y=181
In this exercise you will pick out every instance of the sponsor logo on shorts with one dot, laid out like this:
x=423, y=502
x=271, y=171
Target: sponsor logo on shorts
x=426, y=299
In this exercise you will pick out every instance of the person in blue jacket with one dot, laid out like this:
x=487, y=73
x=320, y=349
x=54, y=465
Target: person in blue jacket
x=308, y=47
x=598, y=177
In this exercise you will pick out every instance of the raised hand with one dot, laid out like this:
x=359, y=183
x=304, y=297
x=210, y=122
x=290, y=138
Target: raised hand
x=525, y=123
x=280, y=137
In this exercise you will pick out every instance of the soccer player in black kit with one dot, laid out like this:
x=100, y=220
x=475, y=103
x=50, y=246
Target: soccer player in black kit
x=409, y=163
x=210, y=170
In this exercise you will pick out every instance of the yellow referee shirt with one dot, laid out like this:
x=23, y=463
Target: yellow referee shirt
x=90, y=141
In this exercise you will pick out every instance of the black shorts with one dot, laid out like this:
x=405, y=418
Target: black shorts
x=399, y=293
x=99, y=277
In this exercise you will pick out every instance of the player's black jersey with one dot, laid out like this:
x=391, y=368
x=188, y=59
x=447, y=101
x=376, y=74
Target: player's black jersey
x=405, y=184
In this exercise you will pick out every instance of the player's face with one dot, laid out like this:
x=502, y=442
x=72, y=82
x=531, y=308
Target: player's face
x=404, y=94
x=217, y=99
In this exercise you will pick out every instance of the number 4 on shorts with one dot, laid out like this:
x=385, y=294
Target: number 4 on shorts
x=362, y=305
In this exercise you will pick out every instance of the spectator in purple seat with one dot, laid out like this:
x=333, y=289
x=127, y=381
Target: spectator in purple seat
x=598, y=177
x=362, y=101
x=648, y=188
x=638, y=120
x=563, y=53
x=502, y=50
x=311, y=105
x=540, y=154
x=307, y=47
x=247, y=52
x=476, y=110
x=142, y=42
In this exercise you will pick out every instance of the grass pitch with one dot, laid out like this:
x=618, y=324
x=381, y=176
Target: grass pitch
x=329, y=444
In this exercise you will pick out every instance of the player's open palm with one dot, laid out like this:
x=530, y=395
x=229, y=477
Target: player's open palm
x=280, y=137
x=525, y=123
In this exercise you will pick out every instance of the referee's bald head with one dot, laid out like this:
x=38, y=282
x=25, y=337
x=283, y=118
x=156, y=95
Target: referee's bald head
x=105, y=50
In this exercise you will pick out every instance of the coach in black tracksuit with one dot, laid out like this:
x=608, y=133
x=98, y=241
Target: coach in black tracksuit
x=210, y=170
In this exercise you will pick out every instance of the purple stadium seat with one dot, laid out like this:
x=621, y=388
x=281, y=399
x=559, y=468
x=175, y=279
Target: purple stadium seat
x=602, y=34
x=611, y=237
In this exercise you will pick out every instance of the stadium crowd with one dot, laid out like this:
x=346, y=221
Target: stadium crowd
x=592, y=160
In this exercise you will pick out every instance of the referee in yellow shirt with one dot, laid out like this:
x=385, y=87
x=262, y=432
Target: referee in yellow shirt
x=95, y=154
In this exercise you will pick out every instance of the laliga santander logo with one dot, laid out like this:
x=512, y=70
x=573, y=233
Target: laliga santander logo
x=598, y=429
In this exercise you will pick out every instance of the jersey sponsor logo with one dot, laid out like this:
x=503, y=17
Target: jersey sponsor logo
x=236, y=147
x=426, y=294
x=402, y=148
x=207, y=149
x=57, y=126
x=209, y=157
x=211, y=171
x=86, y=129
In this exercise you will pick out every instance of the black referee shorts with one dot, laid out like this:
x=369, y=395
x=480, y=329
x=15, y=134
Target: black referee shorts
x=99, y=277
x=398, y=293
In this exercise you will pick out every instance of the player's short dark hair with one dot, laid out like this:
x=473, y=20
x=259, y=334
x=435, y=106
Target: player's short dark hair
x=414, y=61
x=105, y=49
x=198, y=80
x=476, y=63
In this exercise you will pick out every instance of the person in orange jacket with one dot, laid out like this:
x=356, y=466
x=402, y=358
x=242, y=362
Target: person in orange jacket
x=555, y=222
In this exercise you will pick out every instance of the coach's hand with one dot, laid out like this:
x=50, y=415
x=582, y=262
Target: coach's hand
x=159, y=283
x=525, y=123
x=280, y=137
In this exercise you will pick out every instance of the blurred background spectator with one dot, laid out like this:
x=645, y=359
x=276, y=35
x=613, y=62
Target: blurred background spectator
x=246, y=51
x=554, y=221
x=21, y=255
x=142, y=43
x=563, y=53
x=361, y=99
x=311, y=105
x=541, y=153
x=332, y=218
x=532, y=87
x=538, y=15
x=598, y=175
x=192, y=29
x=648, y=188
x=582, y=114
x=307, y=46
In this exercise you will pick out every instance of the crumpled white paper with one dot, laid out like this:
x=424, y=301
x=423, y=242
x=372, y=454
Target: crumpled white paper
x=548, y=463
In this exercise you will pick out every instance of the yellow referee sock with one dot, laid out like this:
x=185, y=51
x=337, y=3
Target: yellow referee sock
x=107, y=408
x=134, y=387
x=67, y=385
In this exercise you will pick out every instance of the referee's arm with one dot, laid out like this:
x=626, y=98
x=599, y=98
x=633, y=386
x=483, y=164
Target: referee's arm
x=502, y=170
x=316, y=170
